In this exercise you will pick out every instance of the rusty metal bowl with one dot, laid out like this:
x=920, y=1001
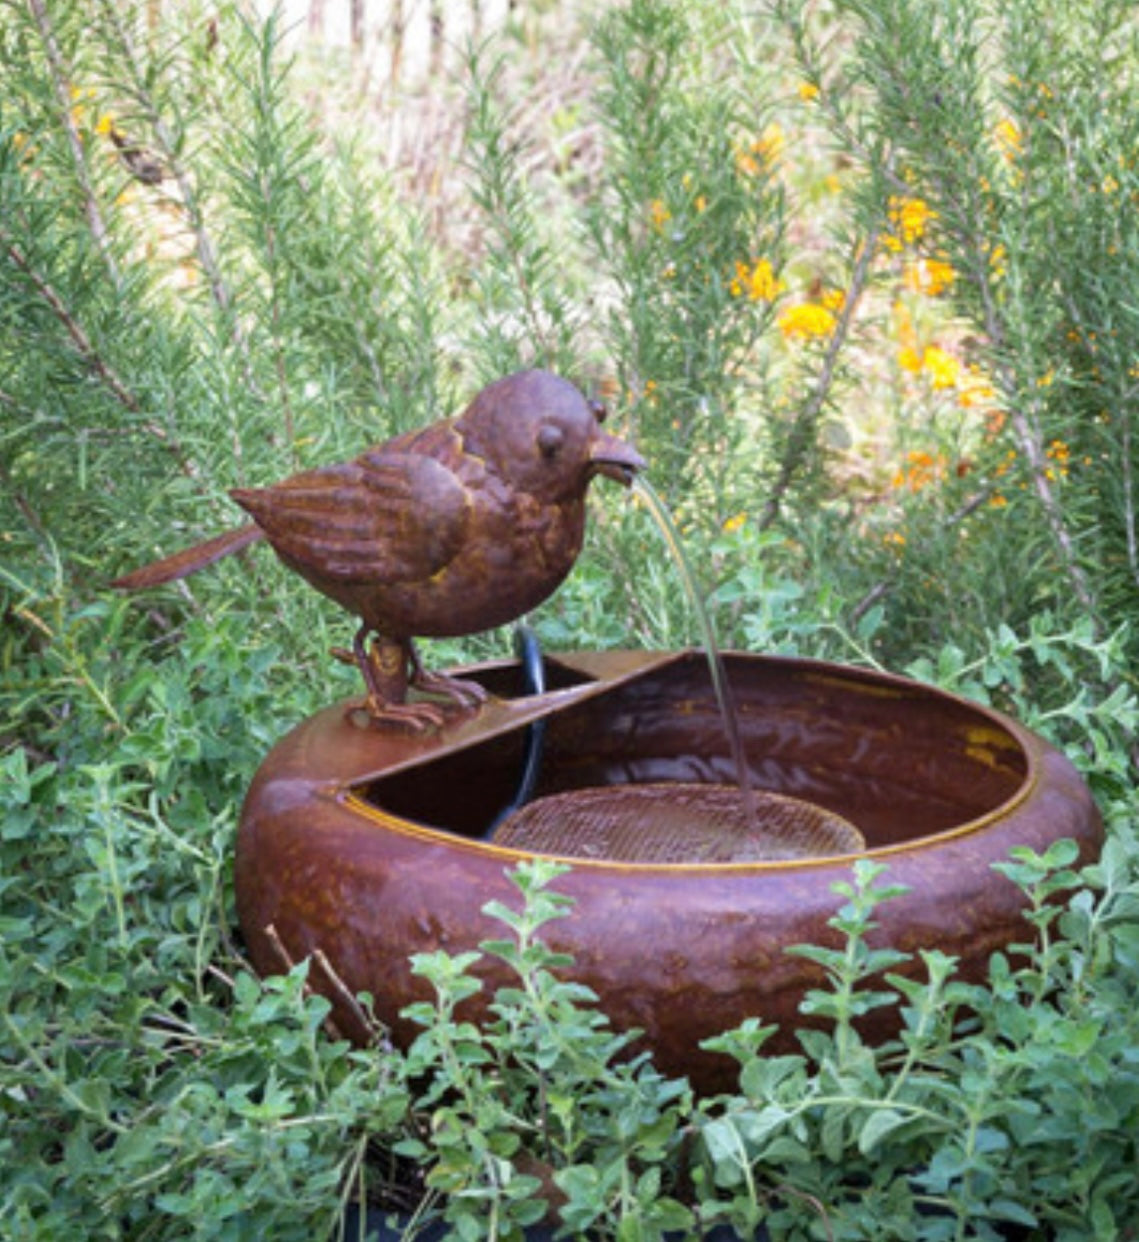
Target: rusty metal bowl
x=369, y=846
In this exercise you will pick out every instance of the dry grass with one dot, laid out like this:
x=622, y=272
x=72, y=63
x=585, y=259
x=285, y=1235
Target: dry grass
x=412, y=127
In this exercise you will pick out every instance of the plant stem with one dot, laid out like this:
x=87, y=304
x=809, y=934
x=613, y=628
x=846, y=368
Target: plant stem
x=60, y=84
x=802, y=435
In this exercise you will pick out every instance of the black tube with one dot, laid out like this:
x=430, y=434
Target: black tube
x=529, y=654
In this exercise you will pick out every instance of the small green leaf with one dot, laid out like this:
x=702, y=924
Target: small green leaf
x=880, y=1123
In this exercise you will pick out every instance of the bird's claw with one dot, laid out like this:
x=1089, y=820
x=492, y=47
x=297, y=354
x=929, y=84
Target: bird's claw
x=414, y=717
x=456, y=693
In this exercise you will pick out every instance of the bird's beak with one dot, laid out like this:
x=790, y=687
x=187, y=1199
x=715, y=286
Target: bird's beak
x=615, y=459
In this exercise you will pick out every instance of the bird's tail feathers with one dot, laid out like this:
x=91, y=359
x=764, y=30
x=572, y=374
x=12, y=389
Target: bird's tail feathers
x=189, y=560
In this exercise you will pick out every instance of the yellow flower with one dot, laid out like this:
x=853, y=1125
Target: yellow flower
x=647, y=393
x=79, y=95
x=806, y=320
x=734, y=523
x=912, y=215
x=929, y=276
x=909, y=218
x=770, y=144
x=763, y=152
x=659, y=214
x=1009, y=139
x=808, y=92
x=1003, y=467
x=943, y=368
x=921, y=469
x=997, y=501
x=758, y=281
x=745, y=160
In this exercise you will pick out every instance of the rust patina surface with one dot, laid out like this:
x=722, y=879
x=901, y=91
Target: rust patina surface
x=447, y=530
x=366, y=845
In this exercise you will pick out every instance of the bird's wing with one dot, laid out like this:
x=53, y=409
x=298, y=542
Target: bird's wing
x=387, y=517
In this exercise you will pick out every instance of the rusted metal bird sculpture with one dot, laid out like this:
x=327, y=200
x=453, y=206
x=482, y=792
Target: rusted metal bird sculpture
x=458, y=527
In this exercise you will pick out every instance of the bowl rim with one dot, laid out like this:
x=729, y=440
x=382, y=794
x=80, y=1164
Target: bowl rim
x=1029, y=746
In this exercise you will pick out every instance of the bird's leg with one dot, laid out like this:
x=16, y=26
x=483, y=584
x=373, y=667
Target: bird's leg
x=384, y=668
x=464, y=694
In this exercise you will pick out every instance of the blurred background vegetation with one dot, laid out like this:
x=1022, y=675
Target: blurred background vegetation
x=858, y=276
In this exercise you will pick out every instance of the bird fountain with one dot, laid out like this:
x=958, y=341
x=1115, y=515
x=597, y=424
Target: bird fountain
x=370, y=847
x=382, y=827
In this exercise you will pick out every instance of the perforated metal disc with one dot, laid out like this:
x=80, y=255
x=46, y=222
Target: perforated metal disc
x=676, y=823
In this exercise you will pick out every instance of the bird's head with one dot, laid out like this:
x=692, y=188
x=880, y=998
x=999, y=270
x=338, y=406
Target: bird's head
x=541, y=436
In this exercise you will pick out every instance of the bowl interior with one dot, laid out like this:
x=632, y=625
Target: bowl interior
x=899, y=760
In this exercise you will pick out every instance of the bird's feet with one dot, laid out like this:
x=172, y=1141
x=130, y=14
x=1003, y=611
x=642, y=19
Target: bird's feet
x=454, y=691
x=389, y=667
x=412, y=717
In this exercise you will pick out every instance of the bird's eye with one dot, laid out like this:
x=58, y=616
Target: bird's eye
x=549, y=440
x=598, y=410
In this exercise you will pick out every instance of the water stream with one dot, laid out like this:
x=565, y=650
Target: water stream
x=658, y=510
